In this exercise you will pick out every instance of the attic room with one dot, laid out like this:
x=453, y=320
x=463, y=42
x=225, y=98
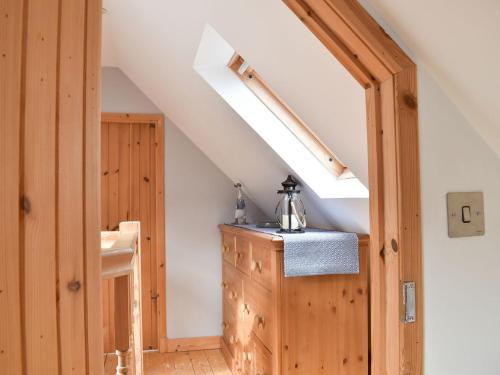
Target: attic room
x=296, y=187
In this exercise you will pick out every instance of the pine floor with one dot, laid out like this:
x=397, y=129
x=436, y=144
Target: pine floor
x=202, y=362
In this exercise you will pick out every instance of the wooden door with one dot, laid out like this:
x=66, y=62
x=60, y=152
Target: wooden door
x=132, y=189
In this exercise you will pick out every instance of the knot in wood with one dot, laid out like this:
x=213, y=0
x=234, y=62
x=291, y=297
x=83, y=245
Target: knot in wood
x=382, y=252
x=410, y=101
x=74, y=286
x=25, y=204
x=394, y=245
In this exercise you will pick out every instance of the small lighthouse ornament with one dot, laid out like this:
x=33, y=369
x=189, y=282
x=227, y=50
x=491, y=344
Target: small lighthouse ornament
x=240, y=215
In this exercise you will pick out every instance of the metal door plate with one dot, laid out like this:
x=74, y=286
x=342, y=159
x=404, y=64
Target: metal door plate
x=409, y=302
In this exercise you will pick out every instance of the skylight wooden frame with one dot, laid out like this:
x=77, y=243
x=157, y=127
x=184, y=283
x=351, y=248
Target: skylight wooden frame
x=389, y=77
x=288, y=117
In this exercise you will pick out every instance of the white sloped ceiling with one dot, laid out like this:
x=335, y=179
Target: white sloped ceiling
x=458, y=41
x=155, y=43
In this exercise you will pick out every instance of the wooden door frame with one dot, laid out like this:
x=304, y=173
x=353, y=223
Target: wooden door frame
x=159, y=123
x=389, y=78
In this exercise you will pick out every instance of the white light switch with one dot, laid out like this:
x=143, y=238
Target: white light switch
x=465, y=214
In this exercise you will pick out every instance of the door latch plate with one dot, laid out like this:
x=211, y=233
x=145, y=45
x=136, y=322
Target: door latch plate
x=409, y=302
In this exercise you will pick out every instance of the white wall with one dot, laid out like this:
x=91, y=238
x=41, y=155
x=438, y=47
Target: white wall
x=120, y=94
x=461, y=275
x=198, y=197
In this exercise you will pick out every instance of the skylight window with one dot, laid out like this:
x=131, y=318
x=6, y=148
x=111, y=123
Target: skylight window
x=294, y=124
x=247, y=93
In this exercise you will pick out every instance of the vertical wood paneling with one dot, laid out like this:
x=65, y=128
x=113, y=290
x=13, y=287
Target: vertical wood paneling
x=49, y=188
x=92, y=192
x=124, y=172
x=114, y=169
x=145, y=219
x=139, y=146
x=40, y=153
x=11, y=42
x=135, y=191
x=377, y=229
x=153, y=231
x=104, y=176
x=70, y=231
x=160, y=232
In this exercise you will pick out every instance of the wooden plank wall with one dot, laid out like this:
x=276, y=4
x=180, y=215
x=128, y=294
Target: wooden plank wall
x=132, y=189
x=49, y=187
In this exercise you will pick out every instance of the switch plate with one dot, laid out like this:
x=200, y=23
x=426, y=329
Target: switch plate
x=465, y=214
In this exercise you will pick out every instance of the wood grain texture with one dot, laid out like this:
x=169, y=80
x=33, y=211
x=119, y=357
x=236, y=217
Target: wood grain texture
x=202, y=362
x=132, y=189
x=297, y=325
x=389, y=77
x=377, y=229
x=160, y=233
x=410, y=242
x=50, y=200
x=40, y=189
x=153, y=268
x=70, y=211
x=123, y=323
x=93, y=319
x=325, y=323
x=145, y=198
x=11, y=90
x=193, y=343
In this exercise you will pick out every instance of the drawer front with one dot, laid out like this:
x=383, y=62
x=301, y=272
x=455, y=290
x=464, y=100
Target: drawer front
x=228, y=357
x=228, y=247
x=263, y=360
x=233, y=362
x=243, y=255
x=232, y=286
x=247, y=358
x=230, y=328
x=261, y=266
x=258, y=312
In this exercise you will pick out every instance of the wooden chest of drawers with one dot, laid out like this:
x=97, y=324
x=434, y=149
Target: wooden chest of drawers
x=274, y=325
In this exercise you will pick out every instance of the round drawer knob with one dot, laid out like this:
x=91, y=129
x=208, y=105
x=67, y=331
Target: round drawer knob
x=225, y=326
x=247, y=356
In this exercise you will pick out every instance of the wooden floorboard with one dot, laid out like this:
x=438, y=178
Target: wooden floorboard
x=201, y=362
